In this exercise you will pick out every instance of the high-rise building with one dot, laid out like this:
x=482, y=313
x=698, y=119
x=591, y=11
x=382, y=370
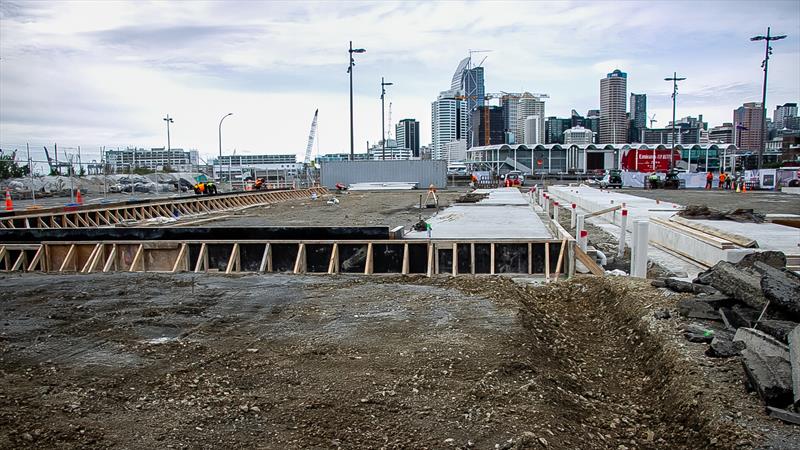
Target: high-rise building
x=783, y=112
x=470, y=81
x=554, y=130
x=455, y=151
x=722, y=134
x=510, y=104
x=638, y=111
x=531, y=130
x=748, y=121
x=530, y=105
x=448, y=121
x=578, y=135
x=487, y=126
x=407, y=135
x=613, y=116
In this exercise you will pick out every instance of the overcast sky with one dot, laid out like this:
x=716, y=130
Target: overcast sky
x=105, y=73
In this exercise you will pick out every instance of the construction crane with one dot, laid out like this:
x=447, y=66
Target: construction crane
x=652, y=119
x=307, y=166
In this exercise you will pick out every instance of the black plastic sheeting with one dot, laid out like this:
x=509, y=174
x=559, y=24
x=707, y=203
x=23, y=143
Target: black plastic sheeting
x=36, y=235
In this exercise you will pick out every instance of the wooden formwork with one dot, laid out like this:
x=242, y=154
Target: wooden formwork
x=111, y=215
x=549, y=258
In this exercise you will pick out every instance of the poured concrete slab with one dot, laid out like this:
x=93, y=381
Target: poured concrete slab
x=505, y=214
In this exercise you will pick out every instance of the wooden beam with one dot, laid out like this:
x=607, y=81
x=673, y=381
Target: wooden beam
x=491, y=258
x=560, y=259
x=201, y=258
x=111, y=260
x=370, y=260
x=333, y=264
x=602, y=211
x=181, y=257
x=406, y=262
x=37, y=259
x=472, y=257
x=18, y=264
x=232, y=260
x=300, y=260
x=429, y=270
x=136, y=258
x=93, y=261
x=589, y=262
x=530, y=258
x=547, y=261
x=264, y=259
x=68, y=259
x=88, y=262
x=455, y=259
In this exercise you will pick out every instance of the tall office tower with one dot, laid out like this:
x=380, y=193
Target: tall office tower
x=510, y=103
x=448, y=121
x=530, y=105
x=783, y=112
x=638, y=108
x=747, y=121
x=613, y=117
x=531, y=130
x=470, y=81
x=554, y=129
x=487, y=126
x=407, y=135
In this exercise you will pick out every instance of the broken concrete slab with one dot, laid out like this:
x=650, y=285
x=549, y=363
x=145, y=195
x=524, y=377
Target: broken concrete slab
x=782, y=288
x=677, y=285
x=779, y=329
x=697, y=310
x=784, y=415
x=761, y=343
x=770, y=376
x=724, y=347
x=772, y=258
x=696, y=332
x=794, y=359
x=740, y=283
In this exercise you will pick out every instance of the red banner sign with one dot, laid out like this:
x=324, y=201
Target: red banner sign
x=646, y=161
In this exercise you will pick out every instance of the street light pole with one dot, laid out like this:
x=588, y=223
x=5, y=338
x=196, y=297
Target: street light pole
x=383, y=121
x=220, y=145
x=169, y=120
x=674, y=80
x=765, y=65
x=350, y=71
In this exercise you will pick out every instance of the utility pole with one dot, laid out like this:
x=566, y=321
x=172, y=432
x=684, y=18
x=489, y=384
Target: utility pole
x=350, y=71
x=383, y=120
x=220, y=145
x=765, y=65
x=169, y=120
x=674, y=80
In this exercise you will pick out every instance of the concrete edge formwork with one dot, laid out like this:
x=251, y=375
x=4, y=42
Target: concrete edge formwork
x=118, y=214
x=548, y=258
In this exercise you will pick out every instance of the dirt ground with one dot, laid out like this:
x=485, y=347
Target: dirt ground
x=282, y=361
x=766, y=202
x=356, y=208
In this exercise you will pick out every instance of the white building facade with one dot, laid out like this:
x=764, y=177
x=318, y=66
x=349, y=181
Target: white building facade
x=456, y=151
x=448, y=121
x=578, y=135
x=156, y=159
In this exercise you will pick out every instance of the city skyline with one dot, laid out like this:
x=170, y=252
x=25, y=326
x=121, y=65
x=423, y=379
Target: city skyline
x=94, y=74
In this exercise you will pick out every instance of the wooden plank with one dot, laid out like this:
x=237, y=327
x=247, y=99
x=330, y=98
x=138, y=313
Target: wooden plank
x=560, y=259
x=3, y=253
x=93, y=261
x=472, y=257
x=232, y=260
x=491, y=259
x=406, y=262
x=715, y=241
x=455, y=259
x=68, y=259
x=603, y=211
x=547, y=260
x=589, y=262
x=19, y=262
x=737, y=239
x=136, y=258
x=201, y=259
x=111, y=260
x=37, y=259
x=370, y=260
x=264, y=259
x=89, y=260
x=181, y=257
x=299, y=262
x=333, y=264
x=530, y=258
x=429, y=270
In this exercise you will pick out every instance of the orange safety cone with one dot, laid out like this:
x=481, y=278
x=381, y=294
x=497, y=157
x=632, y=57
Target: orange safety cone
x=744, y=186
x=9, y=203
x=737, y=188
x=78, y=197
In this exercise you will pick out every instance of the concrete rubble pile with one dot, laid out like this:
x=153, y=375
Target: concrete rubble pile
x=44, y=186
x=750, y=310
